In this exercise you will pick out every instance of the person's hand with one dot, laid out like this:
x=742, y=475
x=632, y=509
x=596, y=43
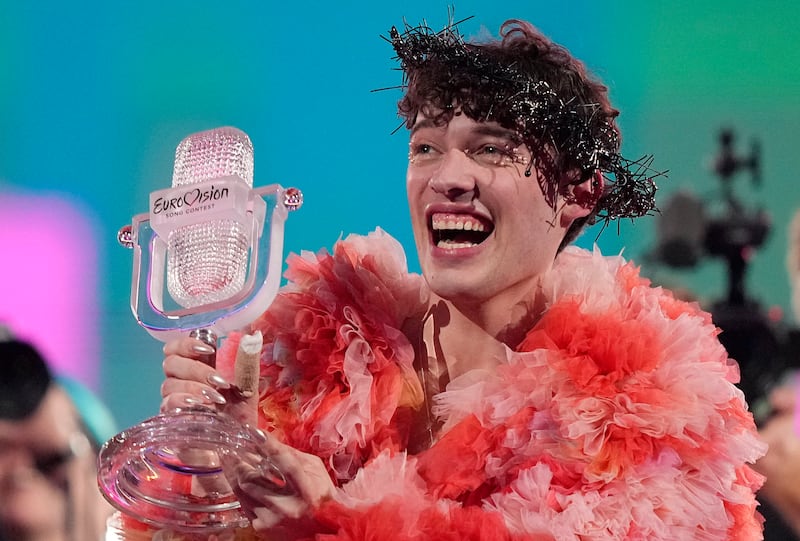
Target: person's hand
x=190, y=381
x=781, y=464
x=279, y=494
x=282, y=508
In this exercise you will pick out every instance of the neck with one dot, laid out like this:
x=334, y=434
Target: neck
x=468, y=335
x=451, y=339
x=507, y=316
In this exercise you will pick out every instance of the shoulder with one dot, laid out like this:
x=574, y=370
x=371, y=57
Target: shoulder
x=634, y=391
x=599, y=283
x=367, y=273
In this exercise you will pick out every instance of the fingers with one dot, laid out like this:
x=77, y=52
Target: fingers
x=264, y=502
x=265, y=519
x=268, y=511
x=784, y=398
x=287, y=469
x=182, y=362
x=280, y=484
x=781, y=465
x=201, y=391
x=180, y=394
x=774, y=433
x=189, y=381
x=178, y=401
x=188, y=347
x=308, y=475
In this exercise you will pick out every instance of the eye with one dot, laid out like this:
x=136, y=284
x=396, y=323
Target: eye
x=421, y=152
x=493, y=154
x=499, y=153
x=423, y=148
x=49, y=464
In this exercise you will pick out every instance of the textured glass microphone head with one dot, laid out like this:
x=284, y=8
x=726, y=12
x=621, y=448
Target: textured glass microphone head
x=213, y=154
x=207, y=261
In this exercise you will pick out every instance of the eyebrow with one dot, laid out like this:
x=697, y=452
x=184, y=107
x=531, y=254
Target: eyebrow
x=422, y=124
x=480, y=129
x=498, y=131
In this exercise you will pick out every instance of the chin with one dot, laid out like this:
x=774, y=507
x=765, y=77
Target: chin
x=456, y=289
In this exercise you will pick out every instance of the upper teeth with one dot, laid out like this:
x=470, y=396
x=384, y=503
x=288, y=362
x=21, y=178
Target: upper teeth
x=456, y=222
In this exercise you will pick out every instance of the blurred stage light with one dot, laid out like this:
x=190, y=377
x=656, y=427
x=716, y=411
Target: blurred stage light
x=48, y=280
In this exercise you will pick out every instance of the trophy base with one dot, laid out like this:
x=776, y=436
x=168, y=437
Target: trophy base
x=122, y=528
x=168, y=470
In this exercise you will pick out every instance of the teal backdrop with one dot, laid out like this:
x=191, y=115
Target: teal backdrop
x=95, y=96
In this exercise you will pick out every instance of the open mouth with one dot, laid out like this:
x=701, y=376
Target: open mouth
x=453, y=231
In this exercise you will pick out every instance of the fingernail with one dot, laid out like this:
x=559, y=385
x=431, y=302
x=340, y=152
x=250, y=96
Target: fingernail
x=191, y=401
x=218, y=381
x=260, y=435
x=213, y=396
x=203, y=348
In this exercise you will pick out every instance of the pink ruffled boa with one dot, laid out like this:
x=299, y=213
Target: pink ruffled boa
x=617, y=418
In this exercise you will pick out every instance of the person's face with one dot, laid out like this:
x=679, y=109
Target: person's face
x=483, y=229
x=37, y=465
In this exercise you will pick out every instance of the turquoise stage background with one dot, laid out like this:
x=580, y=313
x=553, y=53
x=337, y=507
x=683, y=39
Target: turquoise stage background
x=96, y=95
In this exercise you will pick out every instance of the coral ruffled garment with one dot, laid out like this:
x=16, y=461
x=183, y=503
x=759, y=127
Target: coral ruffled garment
x=616, y=418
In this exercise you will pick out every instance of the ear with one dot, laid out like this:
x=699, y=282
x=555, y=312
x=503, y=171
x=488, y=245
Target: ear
x=580, y=199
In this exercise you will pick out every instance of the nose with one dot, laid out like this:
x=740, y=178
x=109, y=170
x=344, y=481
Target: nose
x=455, y=176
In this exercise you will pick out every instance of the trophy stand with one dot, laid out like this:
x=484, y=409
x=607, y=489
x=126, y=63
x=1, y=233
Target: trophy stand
x=168, y=472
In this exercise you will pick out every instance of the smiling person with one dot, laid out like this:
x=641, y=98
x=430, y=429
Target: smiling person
x=520, y=388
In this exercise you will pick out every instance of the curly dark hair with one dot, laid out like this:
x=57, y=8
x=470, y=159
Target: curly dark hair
x=527, y=83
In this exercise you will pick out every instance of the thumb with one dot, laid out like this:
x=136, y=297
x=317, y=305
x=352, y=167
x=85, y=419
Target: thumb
x=247, y=364
x=242, y=396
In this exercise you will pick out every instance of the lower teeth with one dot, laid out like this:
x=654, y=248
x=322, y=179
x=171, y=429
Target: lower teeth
x=454, y=245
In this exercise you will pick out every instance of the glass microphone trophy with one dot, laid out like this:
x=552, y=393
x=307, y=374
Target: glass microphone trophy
x=216, y=243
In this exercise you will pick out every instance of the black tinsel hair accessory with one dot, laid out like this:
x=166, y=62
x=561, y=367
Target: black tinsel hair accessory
x=562, y=131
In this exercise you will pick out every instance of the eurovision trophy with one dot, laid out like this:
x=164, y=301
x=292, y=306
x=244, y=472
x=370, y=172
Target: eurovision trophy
x=216, y=242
